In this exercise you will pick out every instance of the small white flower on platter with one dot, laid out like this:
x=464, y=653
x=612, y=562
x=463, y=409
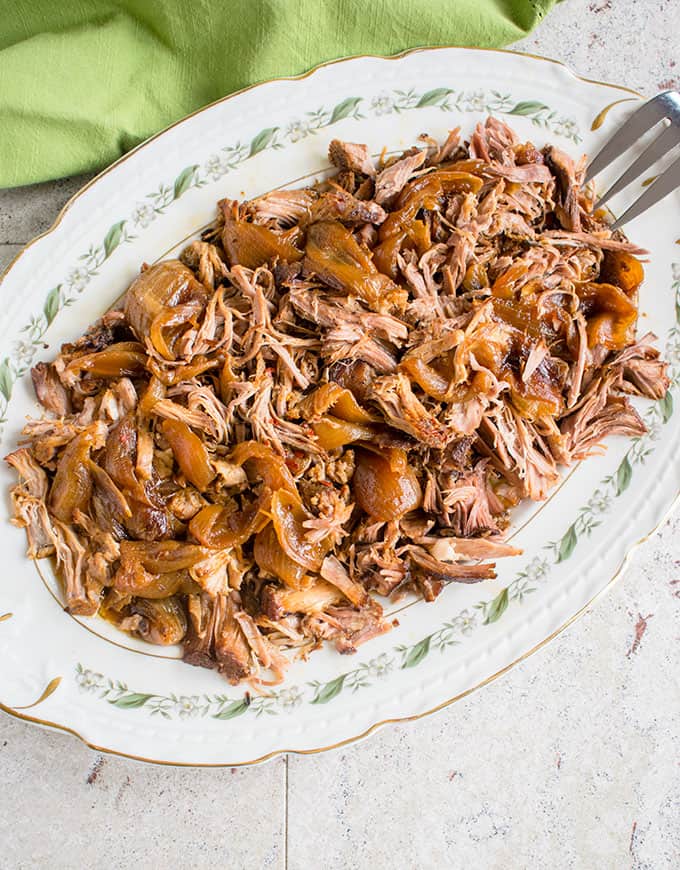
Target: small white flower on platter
x=565, y=127
x=89, y=681
x=654, y=430
x=537, y=569
x=25, y=351
x=187, y=706
x=214, y=167
x=297, y=130
x=290, y=697
x=672, y=352
x=143, y=214
x=465, y=622
x=382, y=104
x=599, y=502
x=78, y=278
x=476, y=101
x=380, y=666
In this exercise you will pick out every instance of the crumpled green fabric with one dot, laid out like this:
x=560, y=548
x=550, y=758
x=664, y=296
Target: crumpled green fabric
x=83, y=81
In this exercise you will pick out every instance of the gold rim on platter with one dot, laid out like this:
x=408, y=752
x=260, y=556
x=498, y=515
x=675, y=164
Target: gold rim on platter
x=370, y=730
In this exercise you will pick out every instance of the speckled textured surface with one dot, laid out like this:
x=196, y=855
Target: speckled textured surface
x=569, y=761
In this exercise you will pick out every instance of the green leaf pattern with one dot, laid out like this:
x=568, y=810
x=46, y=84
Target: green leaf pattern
x=232, y=709
x=52, y=304
x=497, y=607
x=6, y=378
x=185, y=180
x=345, y=109
x=567, y=544
x=130, y=701
x=624, y=474
x=435, y=97
x=325, y=692
x=528, y=107
x=416, y=653
x=113, y=238
x=264, y=139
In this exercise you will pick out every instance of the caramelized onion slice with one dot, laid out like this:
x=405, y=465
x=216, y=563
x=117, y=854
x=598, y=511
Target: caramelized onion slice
x=333, y=433
x=333, y=397
x=180, y=373
x=154, y=392
x=288, y=516
x=120, y=453
x=157, y=288
x=162, y=557
x=115, y=361
x=132, y=578
x=427, y=378
x=382, y=491
x=271, y=557
x=170, y=323
x=252, y=245
x=72, y=484
x=164, y=622
x=190, y=452
x=217, y=526
x=335, y=256
x=261, y=461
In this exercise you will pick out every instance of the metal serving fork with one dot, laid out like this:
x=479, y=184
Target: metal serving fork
x=662, y=108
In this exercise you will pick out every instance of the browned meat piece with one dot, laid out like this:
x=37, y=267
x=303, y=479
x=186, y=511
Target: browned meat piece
x=232, y=651
x=394, y=396
x=277, y=601
x=567, y=209
x=391, y=180
x=598, y=415
x=457, y=549
x=282, y=208
x=340, y=205
x=602, y=242
x=28, y=503
x=424, y=563
x=82, y=593
x=49, y=390
x=446, y=151
x=642, y=372
x=526, y=174
x=349, y=156
x=198, y=643
x=335, y=573
x=347, y=627
x=204, y=258
x=355, y=375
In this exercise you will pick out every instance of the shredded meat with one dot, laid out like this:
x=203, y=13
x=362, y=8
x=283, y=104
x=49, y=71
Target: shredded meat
x=335, y=394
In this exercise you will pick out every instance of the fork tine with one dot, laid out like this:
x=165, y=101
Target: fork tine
x=639, y=122
x=665, y=184
x=665, y=142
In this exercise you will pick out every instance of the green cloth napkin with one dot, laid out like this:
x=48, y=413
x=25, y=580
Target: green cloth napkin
x=83, y=81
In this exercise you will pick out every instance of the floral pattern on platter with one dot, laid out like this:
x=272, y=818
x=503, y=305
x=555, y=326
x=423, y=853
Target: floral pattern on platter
x=454, y=630
x=15, y=365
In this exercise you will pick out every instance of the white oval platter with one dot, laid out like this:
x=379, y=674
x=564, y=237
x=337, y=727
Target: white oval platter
x=125, y=697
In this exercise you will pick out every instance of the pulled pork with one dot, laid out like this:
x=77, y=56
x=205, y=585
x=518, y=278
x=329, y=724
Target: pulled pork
x=338, y=391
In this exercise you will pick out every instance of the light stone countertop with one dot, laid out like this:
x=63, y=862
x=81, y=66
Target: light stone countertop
x=569, y=761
